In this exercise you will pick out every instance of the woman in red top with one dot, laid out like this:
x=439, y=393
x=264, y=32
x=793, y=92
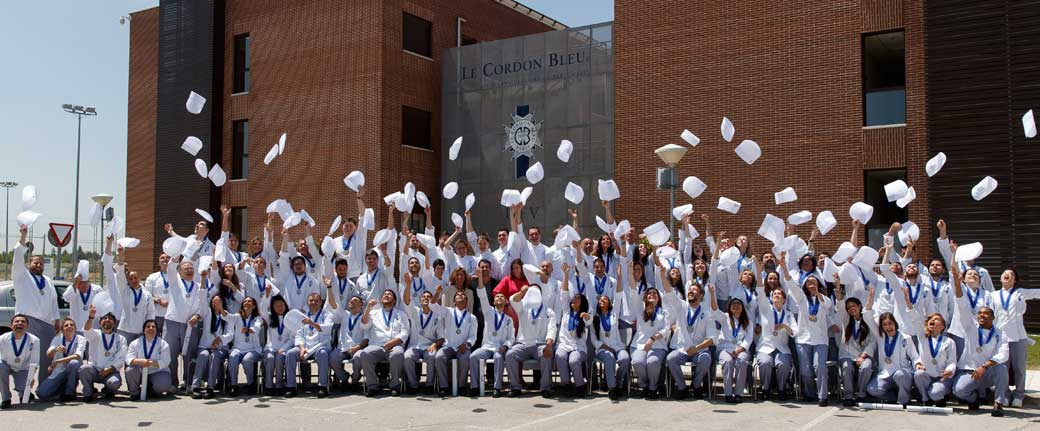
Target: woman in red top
x=511, y=285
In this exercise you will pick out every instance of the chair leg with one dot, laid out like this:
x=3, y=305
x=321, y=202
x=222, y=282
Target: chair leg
x=454, y=377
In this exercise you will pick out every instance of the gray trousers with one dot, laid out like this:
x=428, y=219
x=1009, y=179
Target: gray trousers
x=1017, y=362
x=20, y=378
x=336, y=358
x=934, y=388
x=274, y=369
x=497, y=358
x=372, y=355
x=292, y=359
x=969, y=389
x=897, y=384
x=159, y=324
x=648, y=366
x=616, y=366
x=159, y=382
x=209, y=364
x=248, y=361
x=812, y=363
x=64, y=381
x=45, y=332
x=412, y=357
x=734, y=368
x=855, y=379
x=774, y=361
x=443, y=358
x=515, y=358
x=568, y=363
x=173, y=334
x=90, y=374
x=129, y=336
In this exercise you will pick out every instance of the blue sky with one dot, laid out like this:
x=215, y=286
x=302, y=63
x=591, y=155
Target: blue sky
x=66, y=51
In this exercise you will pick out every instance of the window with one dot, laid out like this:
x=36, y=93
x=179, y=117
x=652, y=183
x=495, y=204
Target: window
x=468, y=40
x=240, y=153
x=238, y=224
x=416, y=128
x=416, y=36
x=242, y=55
x=885, y=212
x=884, y=79
x=417, y=221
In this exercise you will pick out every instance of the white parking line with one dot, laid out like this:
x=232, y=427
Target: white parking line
x=538, y=421
x=819, y=419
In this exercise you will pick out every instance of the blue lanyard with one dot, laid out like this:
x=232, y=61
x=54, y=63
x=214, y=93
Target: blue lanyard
x=248, y=323
x=299, y=282
x=802, y=275
x=736, y=328
x=572, y=321
x=499, y=319
x=890, y=344
x=422, y=285
x=148, y=351
x=691, y=316
x=107, y=344
x=988, y=338
x=68, y=347
x=86, y=297
x=934, y=348
x=372, y=278
x=261, y=282
x=740, y=262
x=220, y=325
x=778, y=319
x=600, y=286
x=604, y=322
x=534, y=315
x=814, y=306
x=748, y=295
x=580, y=285
x=910, y=289
x=138, y=293
x=606, y=262
x=422, y=322
x=343, y=285
x=642, y=285
x=973, y=300
x=351, y=322
x=234, y=254
x=1006, y=302
x=459, y=320
x=19, y=348
x=387, y=317
x=40, y=281
x=188, y=289
x=166, y=284
x=855, y=329
x=314, y=319
x=935, y=287
x=347, y=242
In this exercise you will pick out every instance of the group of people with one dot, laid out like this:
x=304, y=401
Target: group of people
x=427, y=310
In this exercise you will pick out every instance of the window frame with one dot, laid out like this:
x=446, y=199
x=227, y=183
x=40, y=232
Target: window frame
x=241, y=79
x=405, y=142
x=240, y=153
x=864, y=91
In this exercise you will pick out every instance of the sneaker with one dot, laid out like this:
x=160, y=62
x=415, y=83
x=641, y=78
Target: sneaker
x=86, y=399
x=323, y=393
x=234, y=391
x=731, y=399
x=1017, y=402
x=7, y=404
x=682, y=394
x=196, y=394
x=497, y=393
x=847, y=402
x=973, y=405
x=514, y=393
x=998, y=411
x=613, y=394
x=823, y=403
x=209, y=393
x=546, y=393
x=372, y=393
x=395, y=392
x=940, y=403
x=290, y=393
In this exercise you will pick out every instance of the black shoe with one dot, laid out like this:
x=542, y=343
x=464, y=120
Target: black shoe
x=940, y=403
x=652, y=395
x=929, y=403
x=973, y=406
x=998, y=411
x=731, y=399
x=395, y=392
x=698, y=393
x=546, y=393
x=782, y=396
x=372, y=393
x=233, y=392
x=209, y=393
x=196, y=394
x=290, y=393
x=7, y=404
x=323, y=393
x=682, y=394
x=823, y=403
x=739, y=398
x=645, y=393
x=411, y=390
x=496, y=394
x=513, y=393
x=65, y=398
x=613, y=394
x=848, y=402
x=581, y=391
x=86, y=399
x=764, y=394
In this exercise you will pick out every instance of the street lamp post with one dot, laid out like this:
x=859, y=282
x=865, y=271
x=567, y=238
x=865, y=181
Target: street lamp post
x=103, y=200
x=79, y=111
x=7, y=215
x=667, y=179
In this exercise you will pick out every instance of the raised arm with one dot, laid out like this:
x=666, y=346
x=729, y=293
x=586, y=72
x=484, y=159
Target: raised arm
x=609, y=215
x=854, y=239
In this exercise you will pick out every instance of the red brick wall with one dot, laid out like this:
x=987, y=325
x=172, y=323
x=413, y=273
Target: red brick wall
x=789, y=77
x=140, y=138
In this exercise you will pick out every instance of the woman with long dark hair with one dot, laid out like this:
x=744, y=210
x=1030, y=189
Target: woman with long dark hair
x=734, y=342
x=772, y=352
x=936, y=361
x=649, y=346
x=812, y=339
x=606, y=340
x=512, y=284
x=896, y=353
x=279, y=341
x=855, y=348
x=572, y=337
x=214, y=344
x=230, y=289
x=246, y=344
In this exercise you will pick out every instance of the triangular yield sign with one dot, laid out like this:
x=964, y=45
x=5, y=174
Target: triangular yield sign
x=61, y=232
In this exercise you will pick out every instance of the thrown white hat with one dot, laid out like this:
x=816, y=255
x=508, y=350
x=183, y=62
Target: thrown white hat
x=729, y=256
x=27, y=218
x=173, y=246
x=1029, y=124
x=727, y=130
x=984, y=188
x=749, y=151
x=449, y=190
x=621, y=229
x=679, y=211
x=83, y=270
x=526, y=193
x=565, y=236
x=564, y=152
x=693, y=187
x=690, y=138
x=665, y=252
x=935, y=164
x=825, y=221
x=368, y=221
x=510, y=197
x=861, y=211
x=968, y=252
x=535, y=173
x=281, y=143
x=453, y=152
x=192, y=145
x=845, y=251
x=28, y=197
x=657, y=234
x=470, y=200
x=608, y=190
x=603, y=226
x=800, y=217
x=905, y=200
x=381, y=237
x=909, y=232
x=456, y=220
x=128, y=242
x=195, y=103
x=204, y=214
x=574, y=193
x=304, y=216
x=784, y=196
x=421, y=198
x=355, y=180
x=895, y=190
x=271, y=154
x=335, y=224
x=217, y=175
x=772, y=228
x=728, y=205
x=201, y=169
x=865, y=258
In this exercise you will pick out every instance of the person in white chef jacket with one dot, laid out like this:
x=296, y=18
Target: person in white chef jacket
x=148, y=353
x=19, y=351
x=67, y=352
x=498, y=336
x=106, y=356
x=1009, y=306
x=984, y=362
x=158, y=286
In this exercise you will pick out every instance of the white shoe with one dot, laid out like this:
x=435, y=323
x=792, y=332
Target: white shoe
x=1017, y=402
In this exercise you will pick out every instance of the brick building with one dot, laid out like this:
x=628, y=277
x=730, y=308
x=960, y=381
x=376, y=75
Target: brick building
x=343, y=79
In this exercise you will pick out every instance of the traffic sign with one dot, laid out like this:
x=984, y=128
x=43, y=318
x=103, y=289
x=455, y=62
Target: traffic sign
x=61, y=234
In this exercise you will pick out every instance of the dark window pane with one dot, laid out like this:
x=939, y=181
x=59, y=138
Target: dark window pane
x=417, y=35
x=238, y=225
x=467, y=40
x=241, y=64
x=885, y=212
x=240, y=152
x=416, y=128
x=884, y=79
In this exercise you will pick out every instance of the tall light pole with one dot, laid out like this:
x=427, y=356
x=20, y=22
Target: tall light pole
x=7, y=214
x=79, y=111
x=103, y=200
x=667, y=179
